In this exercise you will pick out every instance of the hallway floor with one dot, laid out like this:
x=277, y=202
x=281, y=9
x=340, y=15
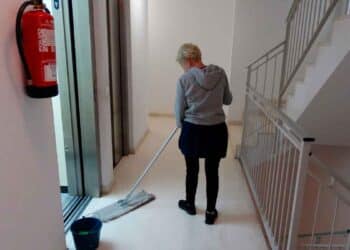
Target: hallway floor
x=160, y=225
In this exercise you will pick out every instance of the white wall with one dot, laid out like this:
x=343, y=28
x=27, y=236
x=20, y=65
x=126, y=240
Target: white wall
x=337, y=158
x=136, y=15
x=103, y=93
x=171, y=23
x=258, y=27
x=31, y=216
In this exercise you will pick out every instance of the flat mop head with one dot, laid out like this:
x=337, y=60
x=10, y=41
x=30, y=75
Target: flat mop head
x=124, y=206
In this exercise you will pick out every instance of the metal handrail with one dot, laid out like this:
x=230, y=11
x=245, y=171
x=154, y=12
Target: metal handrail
x=294, y=128
x=264, y=68
x=267, y=53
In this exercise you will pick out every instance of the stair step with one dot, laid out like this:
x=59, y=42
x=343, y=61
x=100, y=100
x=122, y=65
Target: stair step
x=330, y=53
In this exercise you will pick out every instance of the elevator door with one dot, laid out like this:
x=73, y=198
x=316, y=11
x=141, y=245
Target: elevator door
x=116, y=78
x=76, y=75
x=65, y=105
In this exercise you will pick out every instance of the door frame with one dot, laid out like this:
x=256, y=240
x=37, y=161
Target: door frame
x=83, y=30
x=76, y=70
x=114, y=62
x=116, y=21
x=66, y=76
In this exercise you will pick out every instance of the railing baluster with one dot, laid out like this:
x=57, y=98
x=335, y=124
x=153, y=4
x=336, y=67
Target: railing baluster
x=268, y=166
x=296, y=37
x=265, y=76
x=319, y=12
x=295, y=42
x=277, y=158
x=315, y=214
x=254, y=150
x=271, y=172
x=298, y=196
x=333, y=223
x=314, y=16
x=278, y=195
x=286, y=58
x=276, y=184
x=303, y=29
x=290, y=197
x=299, y=33
x=274, y=79
x=269, y=163
x=284, y=192
x=261, y=157
x=308, y=21
x=262, y=166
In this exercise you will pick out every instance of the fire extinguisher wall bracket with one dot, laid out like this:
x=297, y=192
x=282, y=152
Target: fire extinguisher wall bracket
x=36, y=46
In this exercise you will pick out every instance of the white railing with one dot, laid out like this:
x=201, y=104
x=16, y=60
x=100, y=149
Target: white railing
x=264, y=74
x=303, y=203
x=275, y=152
x=274, y=155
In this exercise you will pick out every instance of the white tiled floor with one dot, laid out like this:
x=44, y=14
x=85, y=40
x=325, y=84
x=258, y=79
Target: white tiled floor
x=160, y=224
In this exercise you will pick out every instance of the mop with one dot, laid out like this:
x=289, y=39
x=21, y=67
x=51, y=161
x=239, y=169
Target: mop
x=132, y=201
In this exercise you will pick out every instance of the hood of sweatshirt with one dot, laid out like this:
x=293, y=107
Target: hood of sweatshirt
x=209, y=77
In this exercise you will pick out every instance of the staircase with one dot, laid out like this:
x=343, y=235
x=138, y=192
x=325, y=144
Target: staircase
x=290, y=96
x=329, y=57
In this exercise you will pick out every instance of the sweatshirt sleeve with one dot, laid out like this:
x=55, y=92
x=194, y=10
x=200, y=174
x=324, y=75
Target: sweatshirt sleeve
x=227, y=92
x=180, y=104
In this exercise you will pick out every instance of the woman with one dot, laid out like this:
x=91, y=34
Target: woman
x=201, y=93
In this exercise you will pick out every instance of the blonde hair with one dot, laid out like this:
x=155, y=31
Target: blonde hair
x=189, y=51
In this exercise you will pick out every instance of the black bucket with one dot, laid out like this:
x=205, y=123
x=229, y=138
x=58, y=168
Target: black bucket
x=86, y=233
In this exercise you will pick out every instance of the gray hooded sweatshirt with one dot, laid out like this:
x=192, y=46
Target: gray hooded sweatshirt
x=200, y=96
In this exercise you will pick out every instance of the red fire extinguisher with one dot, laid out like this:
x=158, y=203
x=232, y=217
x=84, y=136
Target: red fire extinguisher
x=36, y=46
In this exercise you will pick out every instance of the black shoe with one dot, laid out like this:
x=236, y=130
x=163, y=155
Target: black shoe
x=189, y=208
x=210, y=217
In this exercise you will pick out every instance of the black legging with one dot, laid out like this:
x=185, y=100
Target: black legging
x=212, y=176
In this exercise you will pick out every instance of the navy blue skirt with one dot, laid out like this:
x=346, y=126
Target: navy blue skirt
x=203, y=141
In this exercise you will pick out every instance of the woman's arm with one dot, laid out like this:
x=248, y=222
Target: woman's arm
x=227, y=92
x=180, y=104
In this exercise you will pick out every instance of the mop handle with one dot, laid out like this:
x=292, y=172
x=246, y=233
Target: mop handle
x=151, y=163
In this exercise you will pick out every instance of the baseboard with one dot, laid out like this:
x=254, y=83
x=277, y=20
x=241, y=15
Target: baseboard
x=155, y=114
x=230, y=122
x=134, y=150
x=235, y=123
x=106, y=189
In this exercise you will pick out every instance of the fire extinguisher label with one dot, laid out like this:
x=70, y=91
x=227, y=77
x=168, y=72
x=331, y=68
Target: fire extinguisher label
x=46, y=40
x=50, y=72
